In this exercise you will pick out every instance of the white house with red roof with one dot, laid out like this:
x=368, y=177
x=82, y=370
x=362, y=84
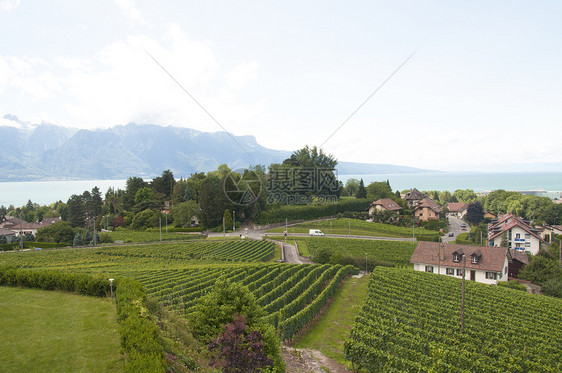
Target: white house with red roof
x=519, y=233
x=485, y=264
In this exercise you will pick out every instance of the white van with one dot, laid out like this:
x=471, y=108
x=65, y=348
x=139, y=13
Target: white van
x=315, y=232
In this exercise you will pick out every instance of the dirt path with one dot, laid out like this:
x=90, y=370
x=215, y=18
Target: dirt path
x=300, y=360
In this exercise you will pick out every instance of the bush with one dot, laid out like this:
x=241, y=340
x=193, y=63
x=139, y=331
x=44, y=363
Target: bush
x=139, y=334
x=512, y=285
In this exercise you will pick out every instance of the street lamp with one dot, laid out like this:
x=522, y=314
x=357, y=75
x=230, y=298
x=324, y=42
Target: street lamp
x=111, y=286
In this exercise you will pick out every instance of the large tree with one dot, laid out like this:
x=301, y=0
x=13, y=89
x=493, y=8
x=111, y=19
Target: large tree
x=164, y=184
x=474, y=213
x=133, y=185
x=76, y=212
x=361, y=190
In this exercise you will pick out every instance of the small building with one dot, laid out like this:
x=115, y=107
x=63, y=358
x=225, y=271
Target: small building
x=413, y=197
x=485, y=264
x=547, y=231
x=457, y=209
x=518, y=233
x=488, y=215
x=8, y=235
x=427, y=209
x=384, y=204
x=517, y=260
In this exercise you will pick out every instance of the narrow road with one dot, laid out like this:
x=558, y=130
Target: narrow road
x=291, y=254
x=343, y=236
x=455, y=227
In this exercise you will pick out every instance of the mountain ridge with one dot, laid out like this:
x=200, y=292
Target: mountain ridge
x=48, y=152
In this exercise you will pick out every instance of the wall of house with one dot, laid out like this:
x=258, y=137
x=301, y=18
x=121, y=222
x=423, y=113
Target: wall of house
x=480, y=275
x=425, y=214
x=530, y=243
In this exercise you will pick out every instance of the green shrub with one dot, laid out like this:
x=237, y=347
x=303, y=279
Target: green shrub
x=512, y=285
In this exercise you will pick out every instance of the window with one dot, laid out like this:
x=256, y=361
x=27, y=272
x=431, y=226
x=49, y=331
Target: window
x=517, y=236
x=491, y=275
x=429, y=269
x=459, y=272
x=450, y=271
x=456, y=257
x=505, y=270
x=527, y=244
x=474, y=259
x=527, y=236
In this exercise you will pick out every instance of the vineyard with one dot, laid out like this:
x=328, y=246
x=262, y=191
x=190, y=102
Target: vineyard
x=411, y=322
x=360, y=228
x=378, y=252
x=178, y=274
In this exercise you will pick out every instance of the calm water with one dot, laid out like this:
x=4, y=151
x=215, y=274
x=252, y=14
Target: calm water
x=479, y=182
x=47, y=192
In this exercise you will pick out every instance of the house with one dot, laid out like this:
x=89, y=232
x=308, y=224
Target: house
x=384, y=204
x=166, y=208
x=517, y=260
x=457, y=209
x=14, y=225
x=8, y=235
x=485, y=264
x=427, y=209
x=547, y=231
x=413, y=197
x=518, y=233
x=488, y=215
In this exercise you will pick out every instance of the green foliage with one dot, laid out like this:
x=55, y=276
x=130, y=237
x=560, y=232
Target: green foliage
x=78, y=240
x=183, y=212
x=276, y=213
x=474, y=213
x=411, y=322
x=512, y=285
x=76, y=213
x=379, y=189
x=81, y=283
x=145, y=219
x=139, y=334
x=59, y=232
x=352, y=252
x=361, y=191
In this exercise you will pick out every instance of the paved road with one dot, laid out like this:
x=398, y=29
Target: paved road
x=455, y=227
x=291, y=255
x=343, y=236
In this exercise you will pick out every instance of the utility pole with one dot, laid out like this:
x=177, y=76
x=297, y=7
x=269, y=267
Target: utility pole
x=366, y=270
x=21, y=232
x=560, y=253
x=160, y=227
x=233, y=221
x=223, y=230
x=349, y=229
x=462, y=292
x=95, y=242
x=166, y=223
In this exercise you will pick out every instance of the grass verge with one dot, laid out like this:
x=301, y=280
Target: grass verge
x=332, y=328
x=48, y=331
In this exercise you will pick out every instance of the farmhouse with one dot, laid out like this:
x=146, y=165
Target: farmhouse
x=384, y=204
x=485, y=264
x=9, y=236
x=547, y=231
x=457, y=209
x=427, y=209
x=518, y=233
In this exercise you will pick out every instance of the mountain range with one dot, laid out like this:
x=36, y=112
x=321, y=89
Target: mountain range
x=50, y=152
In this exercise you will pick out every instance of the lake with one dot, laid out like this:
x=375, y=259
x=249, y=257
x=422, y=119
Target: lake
x=47, y=192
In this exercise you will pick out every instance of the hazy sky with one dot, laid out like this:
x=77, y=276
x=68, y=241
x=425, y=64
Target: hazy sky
x=484, y=87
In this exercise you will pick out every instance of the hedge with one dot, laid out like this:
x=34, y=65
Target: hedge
x=31, y=245
x=177, y=229
x=139, y=334
x=80, y=283
x=275, y=214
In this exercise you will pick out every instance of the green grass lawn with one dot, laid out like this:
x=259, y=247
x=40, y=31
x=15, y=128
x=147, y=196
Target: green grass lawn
x=47, y=331
x=332, y=328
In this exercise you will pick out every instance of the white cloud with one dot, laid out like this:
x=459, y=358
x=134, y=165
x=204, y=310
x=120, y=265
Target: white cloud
x=8, y=5
x=242, y=74
x=130, y=11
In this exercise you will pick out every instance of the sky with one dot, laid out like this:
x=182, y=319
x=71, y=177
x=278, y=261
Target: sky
x=453, y=85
